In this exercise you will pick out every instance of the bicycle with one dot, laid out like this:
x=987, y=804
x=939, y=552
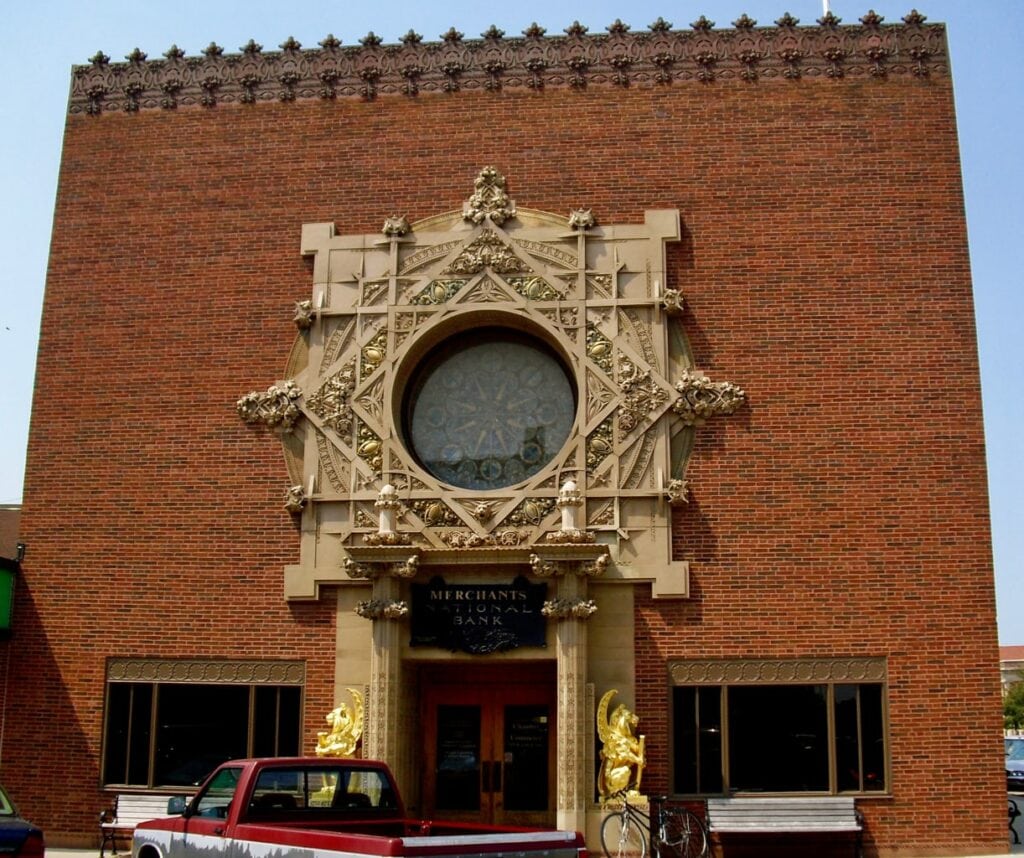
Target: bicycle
x=679, y=832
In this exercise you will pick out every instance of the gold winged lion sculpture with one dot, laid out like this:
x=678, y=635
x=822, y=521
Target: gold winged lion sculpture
x=623, y=751
x=346, y=727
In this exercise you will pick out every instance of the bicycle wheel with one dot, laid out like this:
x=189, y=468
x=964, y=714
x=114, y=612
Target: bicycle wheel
x=681, y=834
x=622, y=836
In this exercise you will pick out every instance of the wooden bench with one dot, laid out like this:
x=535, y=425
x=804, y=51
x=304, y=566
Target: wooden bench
x=825, y=815
x=129, y=809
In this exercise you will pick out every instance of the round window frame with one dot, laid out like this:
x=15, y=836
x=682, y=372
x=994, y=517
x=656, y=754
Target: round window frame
x=447, y=340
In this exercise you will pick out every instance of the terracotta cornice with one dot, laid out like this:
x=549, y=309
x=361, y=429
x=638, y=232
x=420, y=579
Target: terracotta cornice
x=218, y=671
x=618, y=57
x=797, y=670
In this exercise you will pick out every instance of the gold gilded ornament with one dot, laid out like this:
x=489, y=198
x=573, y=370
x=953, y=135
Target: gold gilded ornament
x=622, y=757
x=346, y=727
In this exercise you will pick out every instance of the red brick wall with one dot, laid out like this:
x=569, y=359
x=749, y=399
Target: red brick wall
x=824, y=264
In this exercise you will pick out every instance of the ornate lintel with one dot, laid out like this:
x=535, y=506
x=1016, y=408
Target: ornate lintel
x=216, y=671
x=700, y=398
x=484, y=551
x=276, y=408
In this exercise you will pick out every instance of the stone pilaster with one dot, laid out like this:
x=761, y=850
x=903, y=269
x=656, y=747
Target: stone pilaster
x=386, y=567
x=383, y=740
x=571, y=558
x=571, y=641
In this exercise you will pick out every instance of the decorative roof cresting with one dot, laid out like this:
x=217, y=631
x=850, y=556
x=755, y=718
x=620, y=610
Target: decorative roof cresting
x=618, y=56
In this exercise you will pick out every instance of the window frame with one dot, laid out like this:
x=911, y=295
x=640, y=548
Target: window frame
x=828, y=673
x=429, y=366
x=157, y=675
x=373, y=794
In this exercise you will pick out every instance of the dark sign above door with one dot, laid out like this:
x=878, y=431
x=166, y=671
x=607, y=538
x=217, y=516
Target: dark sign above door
x=478, y=618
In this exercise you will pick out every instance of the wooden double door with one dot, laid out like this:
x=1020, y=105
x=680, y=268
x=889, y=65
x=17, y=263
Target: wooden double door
x=489, y=746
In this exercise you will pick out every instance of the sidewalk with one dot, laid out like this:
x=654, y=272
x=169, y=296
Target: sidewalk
x=1017, y=849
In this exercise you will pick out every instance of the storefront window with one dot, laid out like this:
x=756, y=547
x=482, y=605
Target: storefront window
x=781, y=738
x=175, y=734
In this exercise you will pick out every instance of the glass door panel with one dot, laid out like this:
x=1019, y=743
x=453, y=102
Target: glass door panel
x=525, y=757
x=458, y=757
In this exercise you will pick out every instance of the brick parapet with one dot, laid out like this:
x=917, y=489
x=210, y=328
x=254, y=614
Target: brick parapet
x=578, y=59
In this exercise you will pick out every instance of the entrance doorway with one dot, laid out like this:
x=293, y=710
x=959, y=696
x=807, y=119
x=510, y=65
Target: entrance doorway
x=489, y=743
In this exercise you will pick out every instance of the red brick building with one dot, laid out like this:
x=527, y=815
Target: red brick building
x=730, y=302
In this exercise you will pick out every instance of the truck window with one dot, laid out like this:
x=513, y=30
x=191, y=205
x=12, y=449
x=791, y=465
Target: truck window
x=214, y=798
x=317, y=789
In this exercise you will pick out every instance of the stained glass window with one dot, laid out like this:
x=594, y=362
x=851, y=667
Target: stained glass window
x=489, y=409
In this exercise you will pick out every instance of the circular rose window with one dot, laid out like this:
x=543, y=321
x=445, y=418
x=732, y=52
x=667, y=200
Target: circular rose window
x=489, y=408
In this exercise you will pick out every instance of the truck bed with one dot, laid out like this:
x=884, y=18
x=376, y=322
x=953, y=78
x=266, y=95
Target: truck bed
x=313, y=808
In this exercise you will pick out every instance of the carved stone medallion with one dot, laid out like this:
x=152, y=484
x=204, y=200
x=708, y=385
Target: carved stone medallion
x=477, y=361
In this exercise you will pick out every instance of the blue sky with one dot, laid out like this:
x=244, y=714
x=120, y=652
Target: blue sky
x=986, y=38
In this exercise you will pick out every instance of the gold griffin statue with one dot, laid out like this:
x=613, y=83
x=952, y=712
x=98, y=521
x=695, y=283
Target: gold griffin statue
x=623, y=751
x=346, y=727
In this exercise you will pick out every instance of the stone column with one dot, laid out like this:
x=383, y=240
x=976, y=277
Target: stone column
x=386, y=559
x=571, y=641
x=571, y=557
x=382, y=734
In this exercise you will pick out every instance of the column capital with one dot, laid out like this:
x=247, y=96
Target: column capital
x=569, y=609
x=382, y=609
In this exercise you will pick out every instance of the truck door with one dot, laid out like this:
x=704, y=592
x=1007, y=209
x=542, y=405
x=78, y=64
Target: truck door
x=202, y=834
x=489, y=753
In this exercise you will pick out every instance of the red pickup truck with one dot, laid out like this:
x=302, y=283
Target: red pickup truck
x=323, y=808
